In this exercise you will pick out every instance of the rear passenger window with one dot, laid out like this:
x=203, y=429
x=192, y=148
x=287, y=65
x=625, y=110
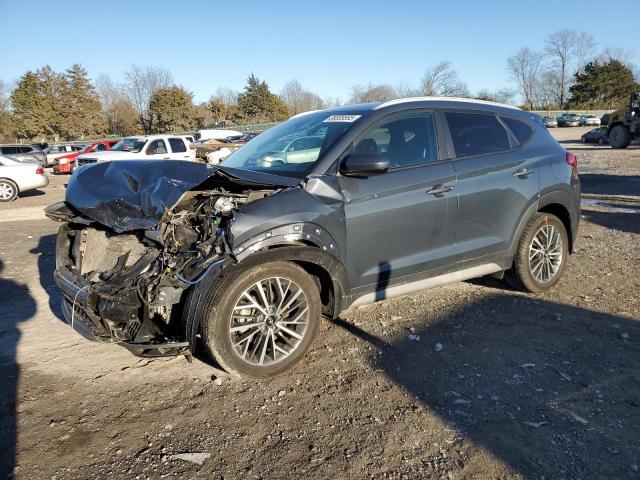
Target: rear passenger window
x=177, y=145
x=100, y=147
x=521, y=130
x=477, y=134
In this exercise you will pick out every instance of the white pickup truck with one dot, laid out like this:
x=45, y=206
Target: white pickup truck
x=158, y=147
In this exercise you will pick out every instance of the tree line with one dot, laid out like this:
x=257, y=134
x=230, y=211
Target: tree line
x=569, y=73
x=67, y=105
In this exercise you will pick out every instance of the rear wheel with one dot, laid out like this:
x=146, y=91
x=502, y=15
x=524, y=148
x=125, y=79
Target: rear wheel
x=8, y=190
x=619, y=137
x=541, y=255
x=260, y=321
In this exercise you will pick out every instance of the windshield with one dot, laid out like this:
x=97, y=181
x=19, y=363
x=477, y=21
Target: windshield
x=292, y=148
x=133, y=145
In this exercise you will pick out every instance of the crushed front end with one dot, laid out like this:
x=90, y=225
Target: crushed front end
x=135, y=238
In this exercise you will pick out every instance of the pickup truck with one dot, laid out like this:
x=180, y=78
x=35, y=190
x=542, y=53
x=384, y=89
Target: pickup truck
x=151, y=147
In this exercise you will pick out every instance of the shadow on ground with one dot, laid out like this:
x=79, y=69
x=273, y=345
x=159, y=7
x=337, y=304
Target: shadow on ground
x=46, y=251
x=551, y=390
x=604, y=184
x=17, y=306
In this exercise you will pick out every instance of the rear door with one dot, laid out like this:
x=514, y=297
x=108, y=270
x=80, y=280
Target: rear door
x=399, y=224
x=497, y=180
x=179, y=150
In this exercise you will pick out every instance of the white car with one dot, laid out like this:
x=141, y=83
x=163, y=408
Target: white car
x=151, y=147
x=589, y=121
x=17, y=176
x=55, y=151
x=215, y=134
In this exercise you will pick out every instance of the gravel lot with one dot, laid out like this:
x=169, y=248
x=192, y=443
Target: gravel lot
x=524, y=386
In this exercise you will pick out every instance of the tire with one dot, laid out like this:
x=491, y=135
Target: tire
x=619, y=137
x=8, y=190
x=254, y=354
x=527, y=275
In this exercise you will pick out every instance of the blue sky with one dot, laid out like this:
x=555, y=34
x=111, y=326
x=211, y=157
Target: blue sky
x=327, y=45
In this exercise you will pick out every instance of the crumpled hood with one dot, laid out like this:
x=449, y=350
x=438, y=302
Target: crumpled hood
x=134, y=194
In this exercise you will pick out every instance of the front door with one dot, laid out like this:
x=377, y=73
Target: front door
x=399, y=223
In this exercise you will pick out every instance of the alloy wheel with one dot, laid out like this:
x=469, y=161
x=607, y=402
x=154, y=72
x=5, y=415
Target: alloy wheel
x=6, y=191
x=545, y=253
x=269, y=321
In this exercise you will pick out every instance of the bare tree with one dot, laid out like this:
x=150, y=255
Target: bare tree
x=5, y=94
x=403, y=90
x=117, y=110
x=503, y=95
x=564, y=48
x=140, y=85
x=372, y=93
x=616, y=53
x=293, y=95
x=442, y=80
x=331, y=102
x=226, y=96
x=524, y=67
x=298, y=100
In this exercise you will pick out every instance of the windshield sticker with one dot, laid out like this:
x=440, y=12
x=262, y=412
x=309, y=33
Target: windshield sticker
x=342, y=118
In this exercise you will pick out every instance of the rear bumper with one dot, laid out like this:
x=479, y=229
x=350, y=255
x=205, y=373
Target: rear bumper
x=64, y=168
x=38, y=181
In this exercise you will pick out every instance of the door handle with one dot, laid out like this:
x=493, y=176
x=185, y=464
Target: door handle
x=523, y=173
x=440, y=189
x=166, y=158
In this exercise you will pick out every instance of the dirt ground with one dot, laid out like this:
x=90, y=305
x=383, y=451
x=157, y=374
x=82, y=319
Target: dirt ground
x=525, y=386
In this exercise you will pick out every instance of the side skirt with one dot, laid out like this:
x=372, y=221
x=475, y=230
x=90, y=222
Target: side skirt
x=427, y=283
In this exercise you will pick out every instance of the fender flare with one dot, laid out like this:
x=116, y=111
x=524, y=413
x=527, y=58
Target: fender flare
x=197, y=295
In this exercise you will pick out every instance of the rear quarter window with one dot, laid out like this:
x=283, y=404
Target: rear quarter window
x=520, y=130
x=177, y=145
x=477, y=134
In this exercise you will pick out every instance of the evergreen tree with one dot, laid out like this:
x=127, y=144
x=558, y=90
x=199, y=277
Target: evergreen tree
x=81, y=107
x=258, y=104
x=603, y=85
x=171, y=110
x=36, y=102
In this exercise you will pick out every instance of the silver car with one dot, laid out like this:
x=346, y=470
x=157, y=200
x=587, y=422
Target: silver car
x=55, y=151
x=589, y=121
x=18, y=176
x=23, y=152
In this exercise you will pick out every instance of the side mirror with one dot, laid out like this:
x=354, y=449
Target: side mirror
x=363, y=164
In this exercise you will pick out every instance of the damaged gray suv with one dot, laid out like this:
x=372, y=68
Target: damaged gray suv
x=328, y=210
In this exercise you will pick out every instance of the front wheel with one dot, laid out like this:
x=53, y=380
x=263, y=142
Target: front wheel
x=541, y=255
x=619, y=137
x=261, y=320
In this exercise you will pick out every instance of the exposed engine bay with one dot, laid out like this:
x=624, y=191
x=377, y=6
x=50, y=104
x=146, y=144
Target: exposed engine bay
x=127, y=283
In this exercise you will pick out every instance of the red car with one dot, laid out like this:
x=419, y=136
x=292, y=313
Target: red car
x=64, y=163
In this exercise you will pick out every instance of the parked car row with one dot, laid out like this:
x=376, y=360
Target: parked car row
x=571, y=120
x=66, y=158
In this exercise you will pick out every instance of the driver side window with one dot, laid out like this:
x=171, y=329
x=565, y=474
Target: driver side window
x=404, y=141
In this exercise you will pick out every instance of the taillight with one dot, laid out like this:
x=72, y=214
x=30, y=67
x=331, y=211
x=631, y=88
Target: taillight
x=572, y=160
x=39, y=171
